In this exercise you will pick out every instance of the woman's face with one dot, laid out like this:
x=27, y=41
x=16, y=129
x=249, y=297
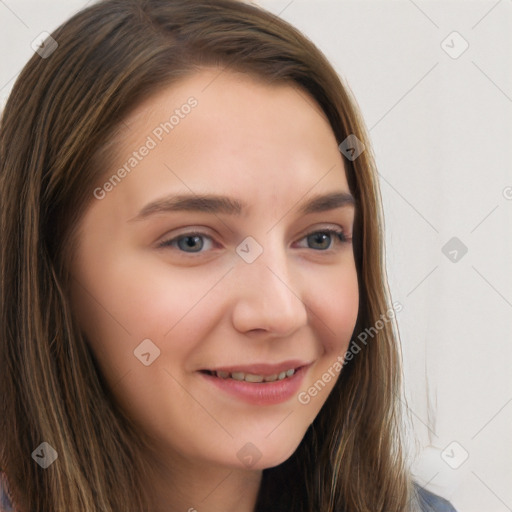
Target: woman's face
x=188, y=305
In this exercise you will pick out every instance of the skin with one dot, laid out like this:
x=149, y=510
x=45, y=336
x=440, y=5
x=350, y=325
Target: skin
x=271, y=147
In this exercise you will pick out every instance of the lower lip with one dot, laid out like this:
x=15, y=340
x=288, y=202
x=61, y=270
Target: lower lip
x=260, y=393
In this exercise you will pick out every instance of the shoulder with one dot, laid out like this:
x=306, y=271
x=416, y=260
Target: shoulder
x=430, y=502
x=5, y=499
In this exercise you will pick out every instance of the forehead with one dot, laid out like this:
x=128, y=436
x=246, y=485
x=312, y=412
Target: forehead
x=227, y=132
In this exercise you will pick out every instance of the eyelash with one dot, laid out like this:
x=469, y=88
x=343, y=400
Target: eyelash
x=341, y=239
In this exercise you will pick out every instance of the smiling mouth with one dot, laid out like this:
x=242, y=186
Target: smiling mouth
x=251, y=377
x=259, y=383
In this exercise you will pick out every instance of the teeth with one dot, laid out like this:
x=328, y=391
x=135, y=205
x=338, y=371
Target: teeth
x=253, y=378
x=249, y=377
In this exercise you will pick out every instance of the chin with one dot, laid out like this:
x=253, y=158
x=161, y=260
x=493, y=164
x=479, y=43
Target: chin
x=272, y=455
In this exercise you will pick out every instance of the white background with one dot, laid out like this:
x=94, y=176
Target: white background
x=441, y=129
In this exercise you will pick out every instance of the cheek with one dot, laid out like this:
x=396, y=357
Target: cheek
x=162, y=301
x=123, y=303
x=334, y=301
x=334, y=308
x=124, y=300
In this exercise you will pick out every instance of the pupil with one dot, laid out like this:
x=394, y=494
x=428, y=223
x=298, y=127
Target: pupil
x=318, y=238
x=191, y=241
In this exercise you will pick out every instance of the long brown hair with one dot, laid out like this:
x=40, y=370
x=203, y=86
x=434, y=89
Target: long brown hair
x=56, y=136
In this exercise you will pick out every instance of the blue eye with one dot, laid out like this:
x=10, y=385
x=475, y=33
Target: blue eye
x=319, y=237
x=193, y=242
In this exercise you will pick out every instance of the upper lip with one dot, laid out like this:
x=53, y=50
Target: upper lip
x=264, y=369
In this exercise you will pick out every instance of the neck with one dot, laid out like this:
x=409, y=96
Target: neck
x=195, y=486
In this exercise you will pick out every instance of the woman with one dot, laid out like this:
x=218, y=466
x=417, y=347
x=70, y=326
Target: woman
x=144, y=373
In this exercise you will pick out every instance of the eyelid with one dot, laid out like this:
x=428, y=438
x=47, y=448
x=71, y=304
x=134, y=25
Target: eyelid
x=326, y=226
x=202, y=232
x=334, y=231
x=167, y=240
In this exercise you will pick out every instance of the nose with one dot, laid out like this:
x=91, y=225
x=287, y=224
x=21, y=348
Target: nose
x=266, y=296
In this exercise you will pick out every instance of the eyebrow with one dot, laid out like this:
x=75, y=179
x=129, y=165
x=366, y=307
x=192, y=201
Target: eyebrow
x=210, y=203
